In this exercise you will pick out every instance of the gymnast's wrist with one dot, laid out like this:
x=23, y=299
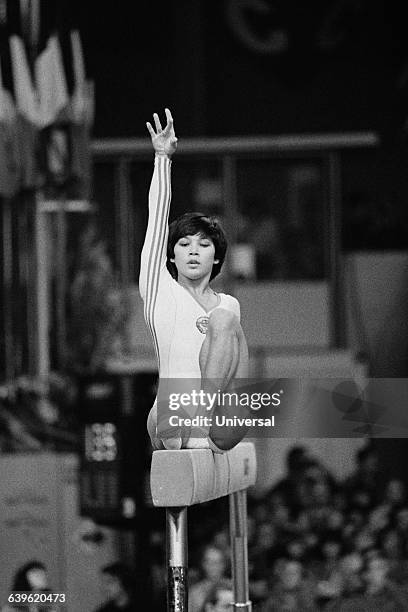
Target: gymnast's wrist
x=162, y=154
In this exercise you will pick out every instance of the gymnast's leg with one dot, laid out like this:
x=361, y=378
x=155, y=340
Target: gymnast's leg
x=224, y=353
x=223, y=360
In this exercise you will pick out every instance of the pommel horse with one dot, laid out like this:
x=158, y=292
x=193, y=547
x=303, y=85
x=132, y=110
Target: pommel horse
x=182, y=478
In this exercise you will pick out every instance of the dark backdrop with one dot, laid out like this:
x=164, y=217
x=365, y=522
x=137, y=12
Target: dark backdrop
x=246, y=66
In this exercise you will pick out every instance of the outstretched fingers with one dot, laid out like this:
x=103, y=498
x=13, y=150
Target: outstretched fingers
x=157, y=123
x=168, y=117
x=169, y=125
x=164, y=140
x=151, y=130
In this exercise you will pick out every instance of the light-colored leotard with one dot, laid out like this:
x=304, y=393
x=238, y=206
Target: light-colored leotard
x=172, y=314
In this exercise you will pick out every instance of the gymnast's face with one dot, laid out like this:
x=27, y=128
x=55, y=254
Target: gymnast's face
x=194, y=257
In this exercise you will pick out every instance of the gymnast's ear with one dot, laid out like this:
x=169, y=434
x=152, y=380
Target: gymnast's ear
x=216, y=261
x=172, y=259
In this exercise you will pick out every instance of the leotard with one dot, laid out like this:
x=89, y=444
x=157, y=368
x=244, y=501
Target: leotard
x=177, y=322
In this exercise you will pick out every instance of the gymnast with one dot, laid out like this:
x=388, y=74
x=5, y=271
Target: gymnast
x=196, y=332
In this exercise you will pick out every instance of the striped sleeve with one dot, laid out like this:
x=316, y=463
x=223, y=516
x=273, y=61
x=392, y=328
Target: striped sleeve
x=153, y=258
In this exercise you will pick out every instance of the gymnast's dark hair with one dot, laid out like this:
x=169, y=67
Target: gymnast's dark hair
x=193, y=223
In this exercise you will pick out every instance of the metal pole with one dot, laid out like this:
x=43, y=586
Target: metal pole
x=24, y=337
x=230, y=201
x=7, y=289
x=239, y=550
x=123, y=199
x=177, y=559
x=61, y=282
x=337, y=306
x=42, y=238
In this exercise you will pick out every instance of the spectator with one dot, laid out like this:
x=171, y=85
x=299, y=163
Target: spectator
x=278, y=511
x=296, y=549
x=401, y=525
x=392, y=548
x=264, y=548
x=363, y=487
x=334, y=520
x=380, y=595
x=395, y=493
x=220, y=598
x=379, y=518
x=290, y=591
x=350, y=570
x=402, y=520
x=118, y=583
x=350, y=585
x=391, y=544
x=327, y=569
x=261, y=558
x=364, y=540
x=31, y=577
x=321, y=532
x=221, y=538
x=213, y=566
x=286, y=488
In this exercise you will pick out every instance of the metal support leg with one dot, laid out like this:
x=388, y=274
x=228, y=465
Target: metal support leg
x=239, y=550
x=177, y=559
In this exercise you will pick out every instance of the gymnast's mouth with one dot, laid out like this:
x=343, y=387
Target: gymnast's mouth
x=193, y=262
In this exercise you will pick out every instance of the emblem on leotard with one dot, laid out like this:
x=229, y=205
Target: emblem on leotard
x=202, y=324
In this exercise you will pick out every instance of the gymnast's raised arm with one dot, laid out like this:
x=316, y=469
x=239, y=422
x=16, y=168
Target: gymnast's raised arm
x=153, y=257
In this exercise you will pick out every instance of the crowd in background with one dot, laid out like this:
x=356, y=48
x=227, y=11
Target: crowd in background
x=314, y=543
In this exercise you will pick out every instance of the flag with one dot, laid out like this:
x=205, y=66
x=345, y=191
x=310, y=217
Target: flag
x=42, y=101
x=54, y=119
x=51, y=83
x=24, y=90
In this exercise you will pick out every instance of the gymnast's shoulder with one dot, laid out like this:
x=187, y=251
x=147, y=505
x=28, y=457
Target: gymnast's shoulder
x=230, y=302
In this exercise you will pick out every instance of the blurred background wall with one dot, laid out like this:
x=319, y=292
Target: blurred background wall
x=292, y=125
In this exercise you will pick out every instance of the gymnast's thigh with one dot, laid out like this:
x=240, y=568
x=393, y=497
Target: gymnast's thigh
x=152, y=428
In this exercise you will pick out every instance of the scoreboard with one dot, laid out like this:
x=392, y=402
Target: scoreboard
x=114, y=446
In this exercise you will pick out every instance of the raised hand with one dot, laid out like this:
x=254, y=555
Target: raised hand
x=164, y=140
